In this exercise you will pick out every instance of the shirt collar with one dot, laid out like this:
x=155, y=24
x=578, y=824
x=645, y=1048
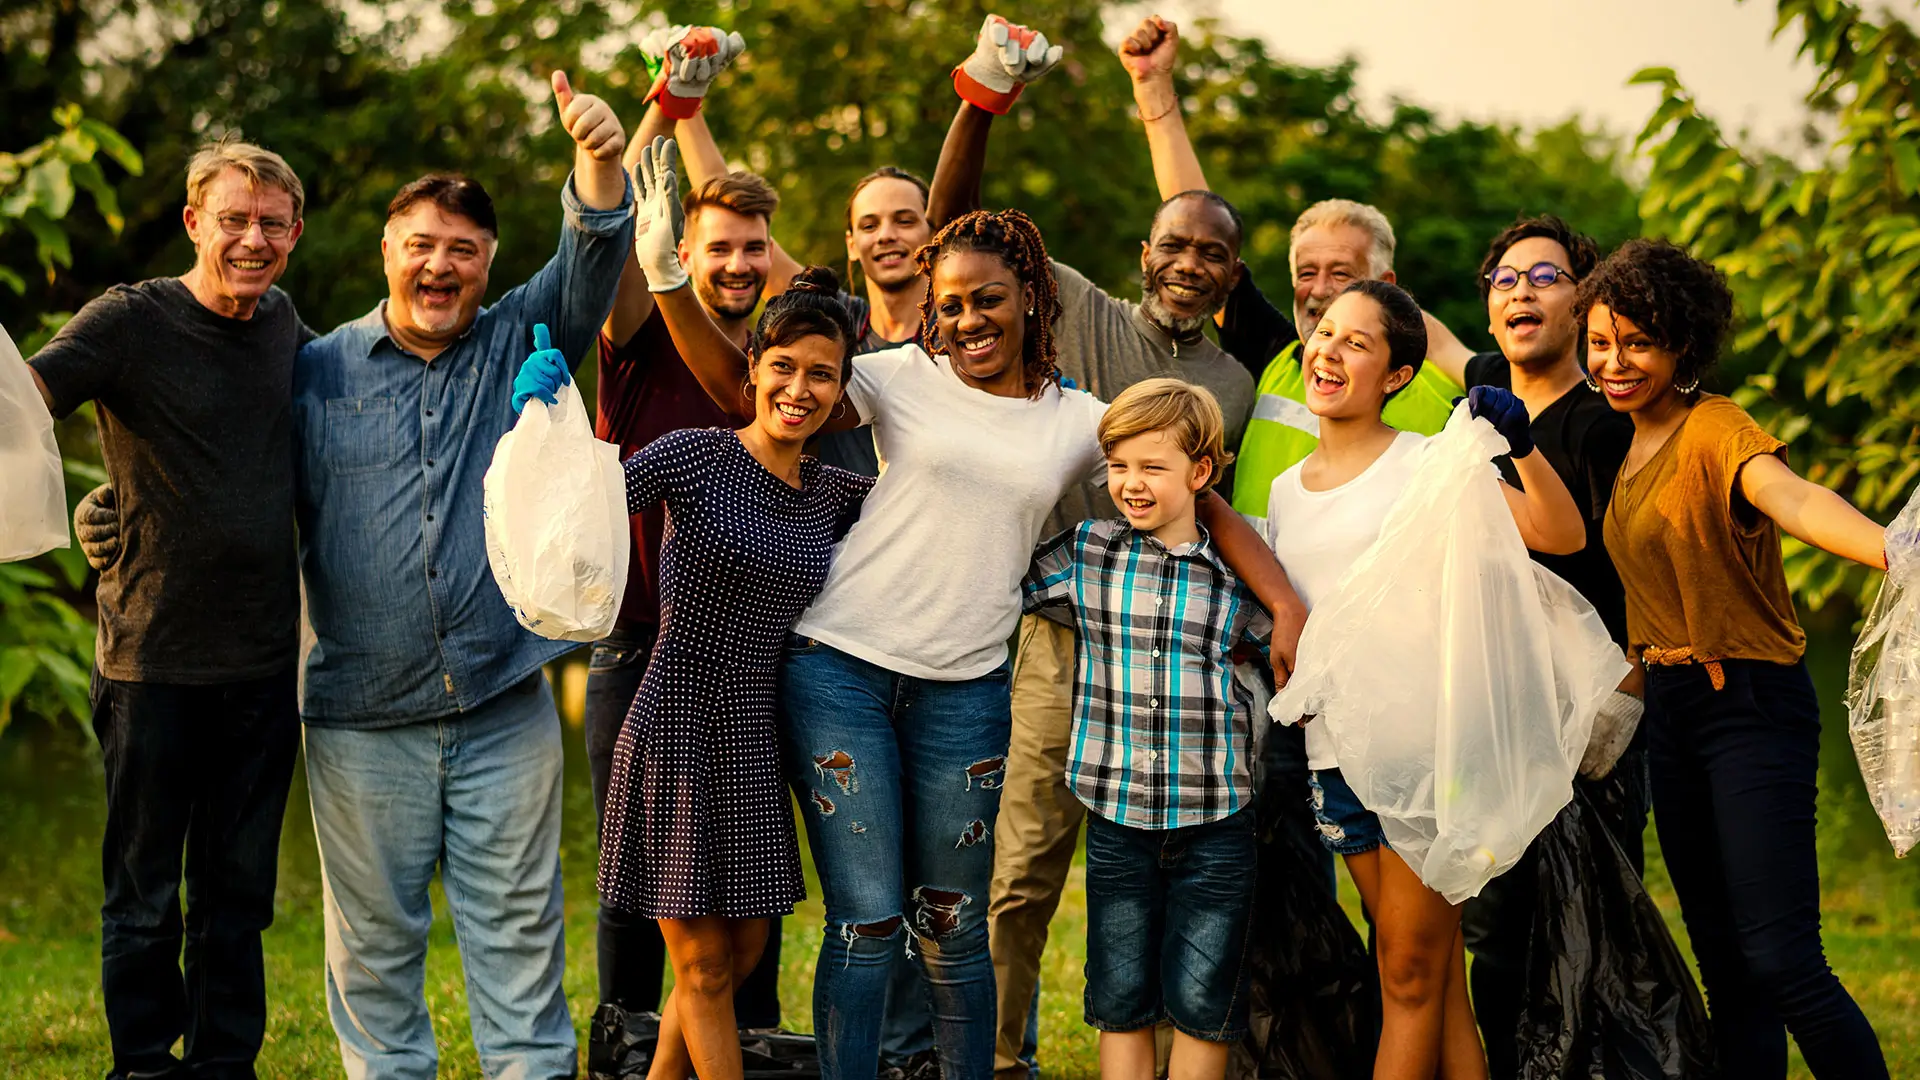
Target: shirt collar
x=370, y=330
x=1122, y=532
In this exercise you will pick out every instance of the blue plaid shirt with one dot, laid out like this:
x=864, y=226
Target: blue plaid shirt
x=389, y=454
x=1162, y=736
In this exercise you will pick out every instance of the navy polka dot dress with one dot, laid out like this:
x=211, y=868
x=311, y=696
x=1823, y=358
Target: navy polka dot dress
x=697, y=819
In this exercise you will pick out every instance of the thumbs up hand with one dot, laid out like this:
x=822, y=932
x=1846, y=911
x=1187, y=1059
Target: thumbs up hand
x=589, y=120
x=544, y=373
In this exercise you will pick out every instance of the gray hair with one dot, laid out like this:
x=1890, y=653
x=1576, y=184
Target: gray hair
x=260, y=166
x=1338, y=212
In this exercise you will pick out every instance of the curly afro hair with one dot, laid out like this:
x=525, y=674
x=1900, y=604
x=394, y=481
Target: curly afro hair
x=1681, y=302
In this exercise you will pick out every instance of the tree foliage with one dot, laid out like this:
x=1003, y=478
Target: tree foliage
x=1823, y=259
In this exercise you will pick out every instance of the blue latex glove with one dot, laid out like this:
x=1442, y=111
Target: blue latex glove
x=1507, y=413
x=544, y=373
x=1068, y=384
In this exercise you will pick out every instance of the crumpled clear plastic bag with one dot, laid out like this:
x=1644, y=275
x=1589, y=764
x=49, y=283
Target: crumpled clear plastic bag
x=555, y=500
x=1883, y=687
x=33, y=489
x=1458, y=678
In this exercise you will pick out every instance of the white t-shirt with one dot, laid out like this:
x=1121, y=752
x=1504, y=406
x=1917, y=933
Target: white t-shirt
x=1318, y=535
x=927, y=583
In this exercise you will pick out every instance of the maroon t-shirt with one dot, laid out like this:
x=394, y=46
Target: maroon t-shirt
x=646, y=390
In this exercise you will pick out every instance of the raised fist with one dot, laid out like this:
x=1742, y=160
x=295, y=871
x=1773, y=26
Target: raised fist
x=589, y=120
x=691, y=57
x=1006, y=57
x=1149, y=51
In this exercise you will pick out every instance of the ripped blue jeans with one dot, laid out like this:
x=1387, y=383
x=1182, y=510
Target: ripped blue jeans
x=899, y=784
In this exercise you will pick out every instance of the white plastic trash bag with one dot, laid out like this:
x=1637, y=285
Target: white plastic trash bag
x=33, y=491
x=555, y=500
x=1459, y=679
x=1883, y=688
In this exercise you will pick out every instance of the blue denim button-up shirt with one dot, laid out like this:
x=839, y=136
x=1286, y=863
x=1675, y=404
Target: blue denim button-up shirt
x=391, y=452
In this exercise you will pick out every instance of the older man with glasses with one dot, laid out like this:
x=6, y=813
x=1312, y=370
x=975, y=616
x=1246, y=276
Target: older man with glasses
x=193, y=683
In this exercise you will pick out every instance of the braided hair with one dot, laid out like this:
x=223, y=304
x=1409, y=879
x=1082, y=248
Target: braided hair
x=1014, y=239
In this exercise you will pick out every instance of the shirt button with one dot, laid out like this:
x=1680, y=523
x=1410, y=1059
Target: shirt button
x=1153, y=755
x=430, y=465
x=1156, y=652
x=429, y=412
x=433, y=573
x=1157, y=601
x=430, y=518
x=1153, y=702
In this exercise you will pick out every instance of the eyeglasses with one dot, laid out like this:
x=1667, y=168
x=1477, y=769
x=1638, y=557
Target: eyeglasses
x=238, y=224
x=1541, y=274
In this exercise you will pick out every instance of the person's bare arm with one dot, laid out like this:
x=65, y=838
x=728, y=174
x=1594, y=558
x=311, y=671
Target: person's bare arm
x=963, y=160
x=632, y=303
x=1148, y=54
x=1812, y=514
x=1446, y=352
x=1548, y=518
x=705, y=162
x=1252, y=561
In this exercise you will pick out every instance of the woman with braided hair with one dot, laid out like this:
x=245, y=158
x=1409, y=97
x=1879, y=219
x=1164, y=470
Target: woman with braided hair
x=893, y=696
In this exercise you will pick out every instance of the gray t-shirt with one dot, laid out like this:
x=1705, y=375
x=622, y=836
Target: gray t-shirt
x=1107, y=345
x=196, y=426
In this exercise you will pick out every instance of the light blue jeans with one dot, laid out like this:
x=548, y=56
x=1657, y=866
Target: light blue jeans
x=477, y=797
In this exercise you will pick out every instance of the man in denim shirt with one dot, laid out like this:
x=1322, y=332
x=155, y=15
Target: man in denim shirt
x=431, y=737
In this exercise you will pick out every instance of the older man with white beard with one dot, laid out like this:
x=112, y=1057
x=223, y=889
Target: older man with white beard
x=431, y=737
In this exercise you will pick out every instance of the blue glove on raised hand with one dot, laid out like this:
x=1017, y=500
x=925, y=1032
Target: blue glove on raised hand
x=544, y=373
x=1507, y=414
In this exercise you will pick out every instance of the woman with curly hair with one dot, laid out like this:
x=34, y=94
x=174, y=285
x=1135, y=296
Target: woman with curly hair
x=893, y=697
x=1694, y=528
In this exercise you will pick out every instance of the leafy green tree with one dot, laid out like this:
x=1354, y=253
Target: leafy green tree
x=1823, y=259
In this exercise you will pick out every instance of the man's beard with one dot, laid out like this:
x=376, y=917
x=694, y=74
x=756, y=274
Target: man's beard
x=1157, y=313
x=710, y=296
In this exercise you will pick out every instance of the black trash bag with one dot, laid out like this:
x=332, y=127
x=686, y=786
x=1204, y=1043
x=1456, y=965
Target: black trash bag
x=1608, y=993
x=1314, y=997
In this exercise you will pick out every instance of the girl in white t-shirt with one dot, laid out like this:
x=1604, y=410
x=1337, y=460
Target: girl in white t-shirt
x=1323, y=513
x=894, y=696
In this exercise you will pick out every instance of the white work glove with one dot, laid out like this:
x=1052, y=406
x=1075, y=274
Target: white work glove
x=659, y=221
x=691, y=57
x=1613, y=728
x=1006, y=57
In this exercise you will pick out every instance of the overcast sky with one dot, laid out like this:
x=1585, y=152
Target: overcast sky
x=1542, y=60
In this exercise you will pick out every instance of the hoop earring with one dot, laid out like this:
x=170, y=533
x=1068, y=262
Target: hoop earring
x=1593, y=384
x=1690, y=387
x=746, y=389
x=841, y=410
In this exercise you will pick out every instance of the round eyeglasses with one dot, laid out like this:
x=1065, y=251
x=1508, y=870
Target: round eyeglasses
x=1541, y=274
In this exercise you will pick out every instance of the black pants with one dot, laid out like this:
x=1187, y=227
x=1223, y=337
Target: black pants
x=1733, y=797
x=633, y=957
x=1498, y=923
x=199, y=771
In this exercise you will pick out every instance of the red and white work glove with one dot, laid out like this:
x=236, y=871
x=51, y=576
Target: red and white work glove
x=1006, y=57
x=691, y=57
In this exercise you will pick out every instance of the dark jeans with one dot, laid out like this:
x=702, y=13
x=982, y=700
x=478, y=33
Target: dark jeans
x=1498, y=923
x=200, y=771
x=633, y=957
x=1733, y=796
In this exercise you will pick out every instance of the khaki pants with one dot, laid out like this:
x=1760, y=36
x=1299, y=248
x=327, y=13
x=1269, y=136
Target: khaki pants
x=1037, y=830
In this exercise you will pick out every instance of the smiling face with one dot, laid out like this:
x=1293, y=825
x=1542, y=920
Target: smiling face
x=728, y=255
x=1153, y=481
x=1346, y=362
x=980, y=316
x=1326, y=259
x=237, y=270
x=889, y=224
x=1530, y=324
x=1633, y=371
x=797, y=386
x=436, y=265
x=1189, y=265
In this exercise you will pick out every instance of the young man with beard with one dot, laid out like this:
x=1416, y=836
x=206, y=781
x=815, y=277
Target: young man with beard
x=1189, y=263
x=432, y=741
x=1529, y=279
x=193, y=683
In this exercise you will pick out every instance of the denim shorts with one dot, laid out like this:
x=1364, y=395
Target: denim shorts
x=1167, y=915
x=1346, y=827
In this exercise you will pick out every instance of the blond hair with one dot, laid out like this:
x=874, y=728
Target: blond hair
x=1189, y=414
x=259, y=166
x=1358, y=215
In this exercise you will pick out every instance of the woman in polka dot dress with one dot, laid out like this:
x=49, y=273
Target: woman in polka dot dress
x=699, y=832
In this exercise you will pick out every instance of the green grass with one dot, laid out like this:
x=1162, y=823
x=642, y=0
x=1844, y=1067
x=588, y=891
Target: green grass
x=51, y=1024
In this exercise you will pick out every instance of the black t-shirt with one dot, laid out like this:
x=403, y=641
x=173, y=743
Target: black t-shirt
x=1585, y=441
x=1252, y=330
x=853, y=450
x=196, y=426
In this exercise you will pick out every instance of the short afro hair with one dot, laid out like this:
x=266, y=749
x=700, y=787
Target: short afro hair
x=1211, y=198
x=1681, y=302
